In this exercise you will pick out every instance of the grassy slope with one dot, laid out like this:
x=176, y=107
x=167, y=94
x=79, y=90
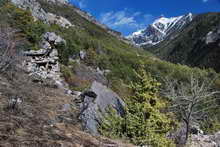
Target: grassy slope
x=189, y=46
x=122, y=59
x=106, y=51
x=118, y=56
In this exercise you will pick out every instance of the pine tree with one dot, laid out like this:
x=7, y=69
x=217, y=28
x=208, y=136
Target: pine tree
x=143, y=123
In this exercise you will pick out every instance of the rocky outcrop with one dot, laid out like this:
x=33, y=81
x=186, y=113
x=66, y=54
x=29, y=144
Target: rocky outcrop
x=59, y=1
x=43, y=64
x=197, y=137
x=33, y=6
x=52, y=38
x=59, y=20
x=205, y=140
x=213, y=36
x=39, y=13
x=94, y=103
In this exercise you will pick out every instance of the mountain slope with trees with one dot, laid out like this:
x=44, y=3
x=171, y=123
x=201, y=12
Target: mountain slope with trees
x=86, y=52
x=196, y=45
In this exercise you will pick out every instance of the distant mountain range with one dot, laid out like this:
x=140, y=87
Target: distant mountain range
x=196, y=44
x=160, y=29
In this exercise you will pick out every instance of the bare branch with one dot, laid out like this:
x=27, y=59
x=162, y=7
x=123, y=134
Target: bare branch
x=190, y=100
x=8, y=48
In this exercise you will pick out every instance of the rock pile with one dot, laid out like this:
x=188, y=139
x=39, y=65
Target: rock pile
x=43, y=63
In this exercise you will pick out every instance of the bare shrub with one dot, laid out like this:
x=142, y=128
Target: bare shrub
x=191, y=101
x=9, y=54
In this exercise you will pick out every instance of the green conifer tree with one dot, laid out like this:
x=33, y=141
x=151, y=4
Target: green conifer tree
x=143, y=123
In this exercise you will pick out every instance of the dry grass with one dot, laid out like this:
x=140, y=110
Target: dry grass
x=40, y=121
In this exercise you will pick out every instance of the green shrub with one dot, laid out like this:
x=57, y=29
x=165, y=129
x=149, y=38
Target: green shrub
x=143, y=123
x=24, y=21
x=63, y=53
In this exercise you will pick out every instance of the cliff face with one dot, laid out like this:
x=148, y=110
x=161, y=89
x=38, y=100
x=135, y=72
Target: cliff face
x=39, y=13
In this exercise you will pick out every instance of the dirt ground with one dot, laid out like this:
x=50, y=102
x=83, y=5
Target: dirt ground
x=44, y=116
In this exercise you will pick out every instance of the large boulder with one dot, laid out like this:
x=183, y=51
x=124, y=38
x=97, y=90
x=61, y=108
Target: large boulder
x=94, y=104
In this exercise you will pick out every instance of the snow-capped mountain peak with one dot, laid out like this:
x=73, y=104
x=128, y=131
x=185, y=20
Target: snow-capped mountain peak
x=159, y=30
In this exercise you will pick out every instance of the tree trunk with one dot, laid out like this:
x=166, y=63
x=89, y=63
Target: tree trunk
x=187, y=132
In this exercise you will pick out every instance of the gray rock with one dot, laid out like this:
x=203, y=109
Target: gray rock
x=195, y=129
x=68, y=92
x=52, y=37
x=43, y=65
x=40, y=52
x=66, y=107
x=216, y=138
x=94, y=106
x=33, y=6
x=59, y=1
x=99, y=71
x=218, y=31
x=39, y=13
x=45, y=45
x=201, y=141
x=82, y=55
x=212, y=36
x=76, y=93
x=59, y=20
x=54, y=54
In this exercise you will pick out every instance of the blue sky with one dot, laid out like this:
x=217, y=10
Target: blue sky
x=127, y=16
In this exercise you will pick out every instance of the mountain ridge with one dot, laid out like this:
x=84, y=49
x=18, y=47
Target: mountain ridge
x=159, y=30
x=63, y=62
x=196, y=45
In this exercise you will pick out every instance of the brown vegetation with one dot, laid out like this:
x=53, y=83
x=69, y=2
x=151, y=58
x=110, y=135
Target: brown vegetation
x=191, y=101
x=39, y=117
x=9, y=54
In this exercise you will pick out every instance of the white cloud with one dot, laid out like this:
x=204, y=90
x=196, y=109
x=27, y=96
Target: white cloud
x=125, y=19
x=80, y=3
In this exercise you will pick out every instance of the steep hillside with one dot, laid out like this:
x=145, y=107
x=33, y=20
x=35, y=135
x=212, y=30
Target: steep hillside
x=196, y=45
x=61, y=72
x=44, y=116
